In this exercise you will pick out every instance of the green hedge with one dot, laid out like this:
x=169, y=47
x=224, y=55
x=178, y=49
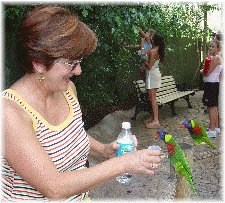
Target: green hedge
x=108, y=72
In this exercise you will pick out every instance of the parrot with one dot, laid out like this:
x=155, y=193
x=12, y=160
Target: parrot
x=197, y=132
x=176, y=156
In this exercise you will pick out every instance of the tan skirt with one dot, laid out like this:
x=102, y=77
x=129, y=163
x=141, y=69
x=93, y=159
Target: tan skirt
x=152, y=78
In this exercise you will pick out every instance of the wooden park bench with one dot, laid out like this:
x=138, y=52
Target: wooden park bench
x=166, y=94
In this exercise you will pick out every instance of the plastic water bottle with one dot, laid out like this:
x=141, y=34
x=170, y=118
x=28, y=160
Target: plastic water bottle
x=126, y=142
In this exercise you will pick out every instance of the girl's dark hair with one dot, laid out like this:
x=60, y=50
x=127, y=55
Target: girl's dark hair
x=159, y=41
x=52, y=32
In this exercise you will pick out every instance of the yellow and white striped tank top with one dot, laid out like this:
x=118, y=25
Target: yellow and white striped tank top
x=66, y=144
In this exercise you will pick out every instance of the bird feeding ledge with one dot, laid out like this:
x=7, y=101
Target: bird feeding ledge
x=183, y=187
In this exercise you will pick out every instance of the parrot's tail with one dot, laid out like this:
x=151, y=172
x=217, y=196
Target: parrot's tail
x=189, y=179
x=207, y=141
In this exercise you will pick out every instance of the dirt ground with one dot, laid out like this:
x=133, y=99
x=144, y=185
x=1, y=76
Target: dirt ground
x=206, y=167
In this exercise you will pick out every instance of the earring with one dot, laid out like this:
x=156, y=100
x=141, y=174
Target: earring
x=41, y=78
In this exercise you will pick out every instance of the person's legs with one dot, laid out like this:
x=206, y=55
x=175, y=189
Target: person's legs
x=213, y=122
x=150, y=119
x=213, y=118
x=210, y=99
x=152, y=97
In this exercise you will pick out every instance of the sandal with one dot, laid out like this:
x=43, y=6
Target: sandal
x=153, y=125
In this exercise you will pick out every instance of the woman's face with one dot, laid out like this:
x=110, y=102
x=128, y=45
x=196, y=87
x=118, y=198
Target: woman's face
x=213, y=49
x=58, y=77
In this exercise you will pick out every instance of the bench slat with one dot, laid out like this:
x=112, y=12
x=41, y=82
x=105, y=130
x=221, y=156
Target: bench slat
x=170, y=97
x=167, y=92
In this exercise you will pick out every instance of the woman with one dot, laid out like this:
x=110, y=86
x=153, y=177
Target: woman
x=45, y=146
x=211, y=77
x=146, y=46
x=153, y=77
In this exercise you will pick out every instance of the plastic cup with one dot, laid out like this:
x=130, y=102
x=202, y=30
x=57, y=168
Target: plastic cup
x=154, y=147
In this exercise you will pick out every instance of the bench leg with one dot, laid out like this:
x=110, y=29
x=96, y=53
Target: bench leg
x=137, y=111
x=141, y=107
x=171, y=104
x=187, y=99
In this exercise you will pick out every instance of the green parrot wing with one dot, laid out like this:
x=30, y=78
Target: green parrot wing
x=203, y=136
x=178, y=158
x=196, y=132
x=176, y=155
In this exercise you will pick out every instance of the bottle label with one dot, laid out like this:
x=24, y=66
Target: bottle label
x=124, y=148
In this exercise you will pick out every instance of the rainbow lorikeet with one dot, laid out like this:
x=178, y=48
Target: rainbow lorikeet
x=197, y=132
x=176, y=156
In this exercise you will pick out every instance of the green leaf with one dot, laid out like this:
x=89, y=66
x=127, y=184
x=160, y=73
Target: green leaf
x=135, y=29
x=117, y=19
x=85, y=13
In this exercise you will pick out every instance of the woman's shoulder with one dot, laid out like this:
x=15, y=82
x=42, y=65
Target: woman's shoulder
x=18, y=95
x=154, y=53
x=12, y=111
x=20, y=86
x=17, y=91
x=218, y=59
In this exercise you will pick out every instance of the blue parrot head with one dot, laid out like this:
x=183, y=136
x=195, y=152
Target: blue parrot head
x=161, y=134
x=186, y=124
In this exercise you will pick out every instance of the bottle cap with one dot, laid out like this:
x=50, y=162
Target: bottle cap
x=126, y=125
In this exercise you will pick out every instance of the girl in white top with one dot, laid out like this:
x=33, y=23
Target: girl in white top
x=153, y=77
x=211, y=86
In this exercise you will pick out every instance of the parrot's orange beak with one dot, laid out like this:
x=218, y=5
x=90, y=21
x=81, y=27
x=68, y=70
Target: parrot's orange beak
x=182, y=126
x=156, y=135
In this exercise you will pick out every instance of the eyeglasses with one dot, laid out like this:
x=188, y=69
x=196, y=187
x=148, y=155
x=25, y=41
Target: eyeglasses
x=73, y=65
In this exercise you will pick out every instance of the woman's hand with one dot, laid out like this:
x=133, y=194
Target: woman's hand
x=142, y=161
x=110, y=149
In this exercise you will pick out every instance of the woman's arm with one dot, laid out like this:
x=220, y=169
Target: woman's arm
x=102, y=150
x=149, y=63
x=133, y=46
x=25, y=154
x=215, y=61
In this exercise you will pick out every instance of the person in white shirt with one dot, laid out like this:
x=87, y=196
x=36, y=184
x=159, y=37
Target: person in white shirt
x=211, y=86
